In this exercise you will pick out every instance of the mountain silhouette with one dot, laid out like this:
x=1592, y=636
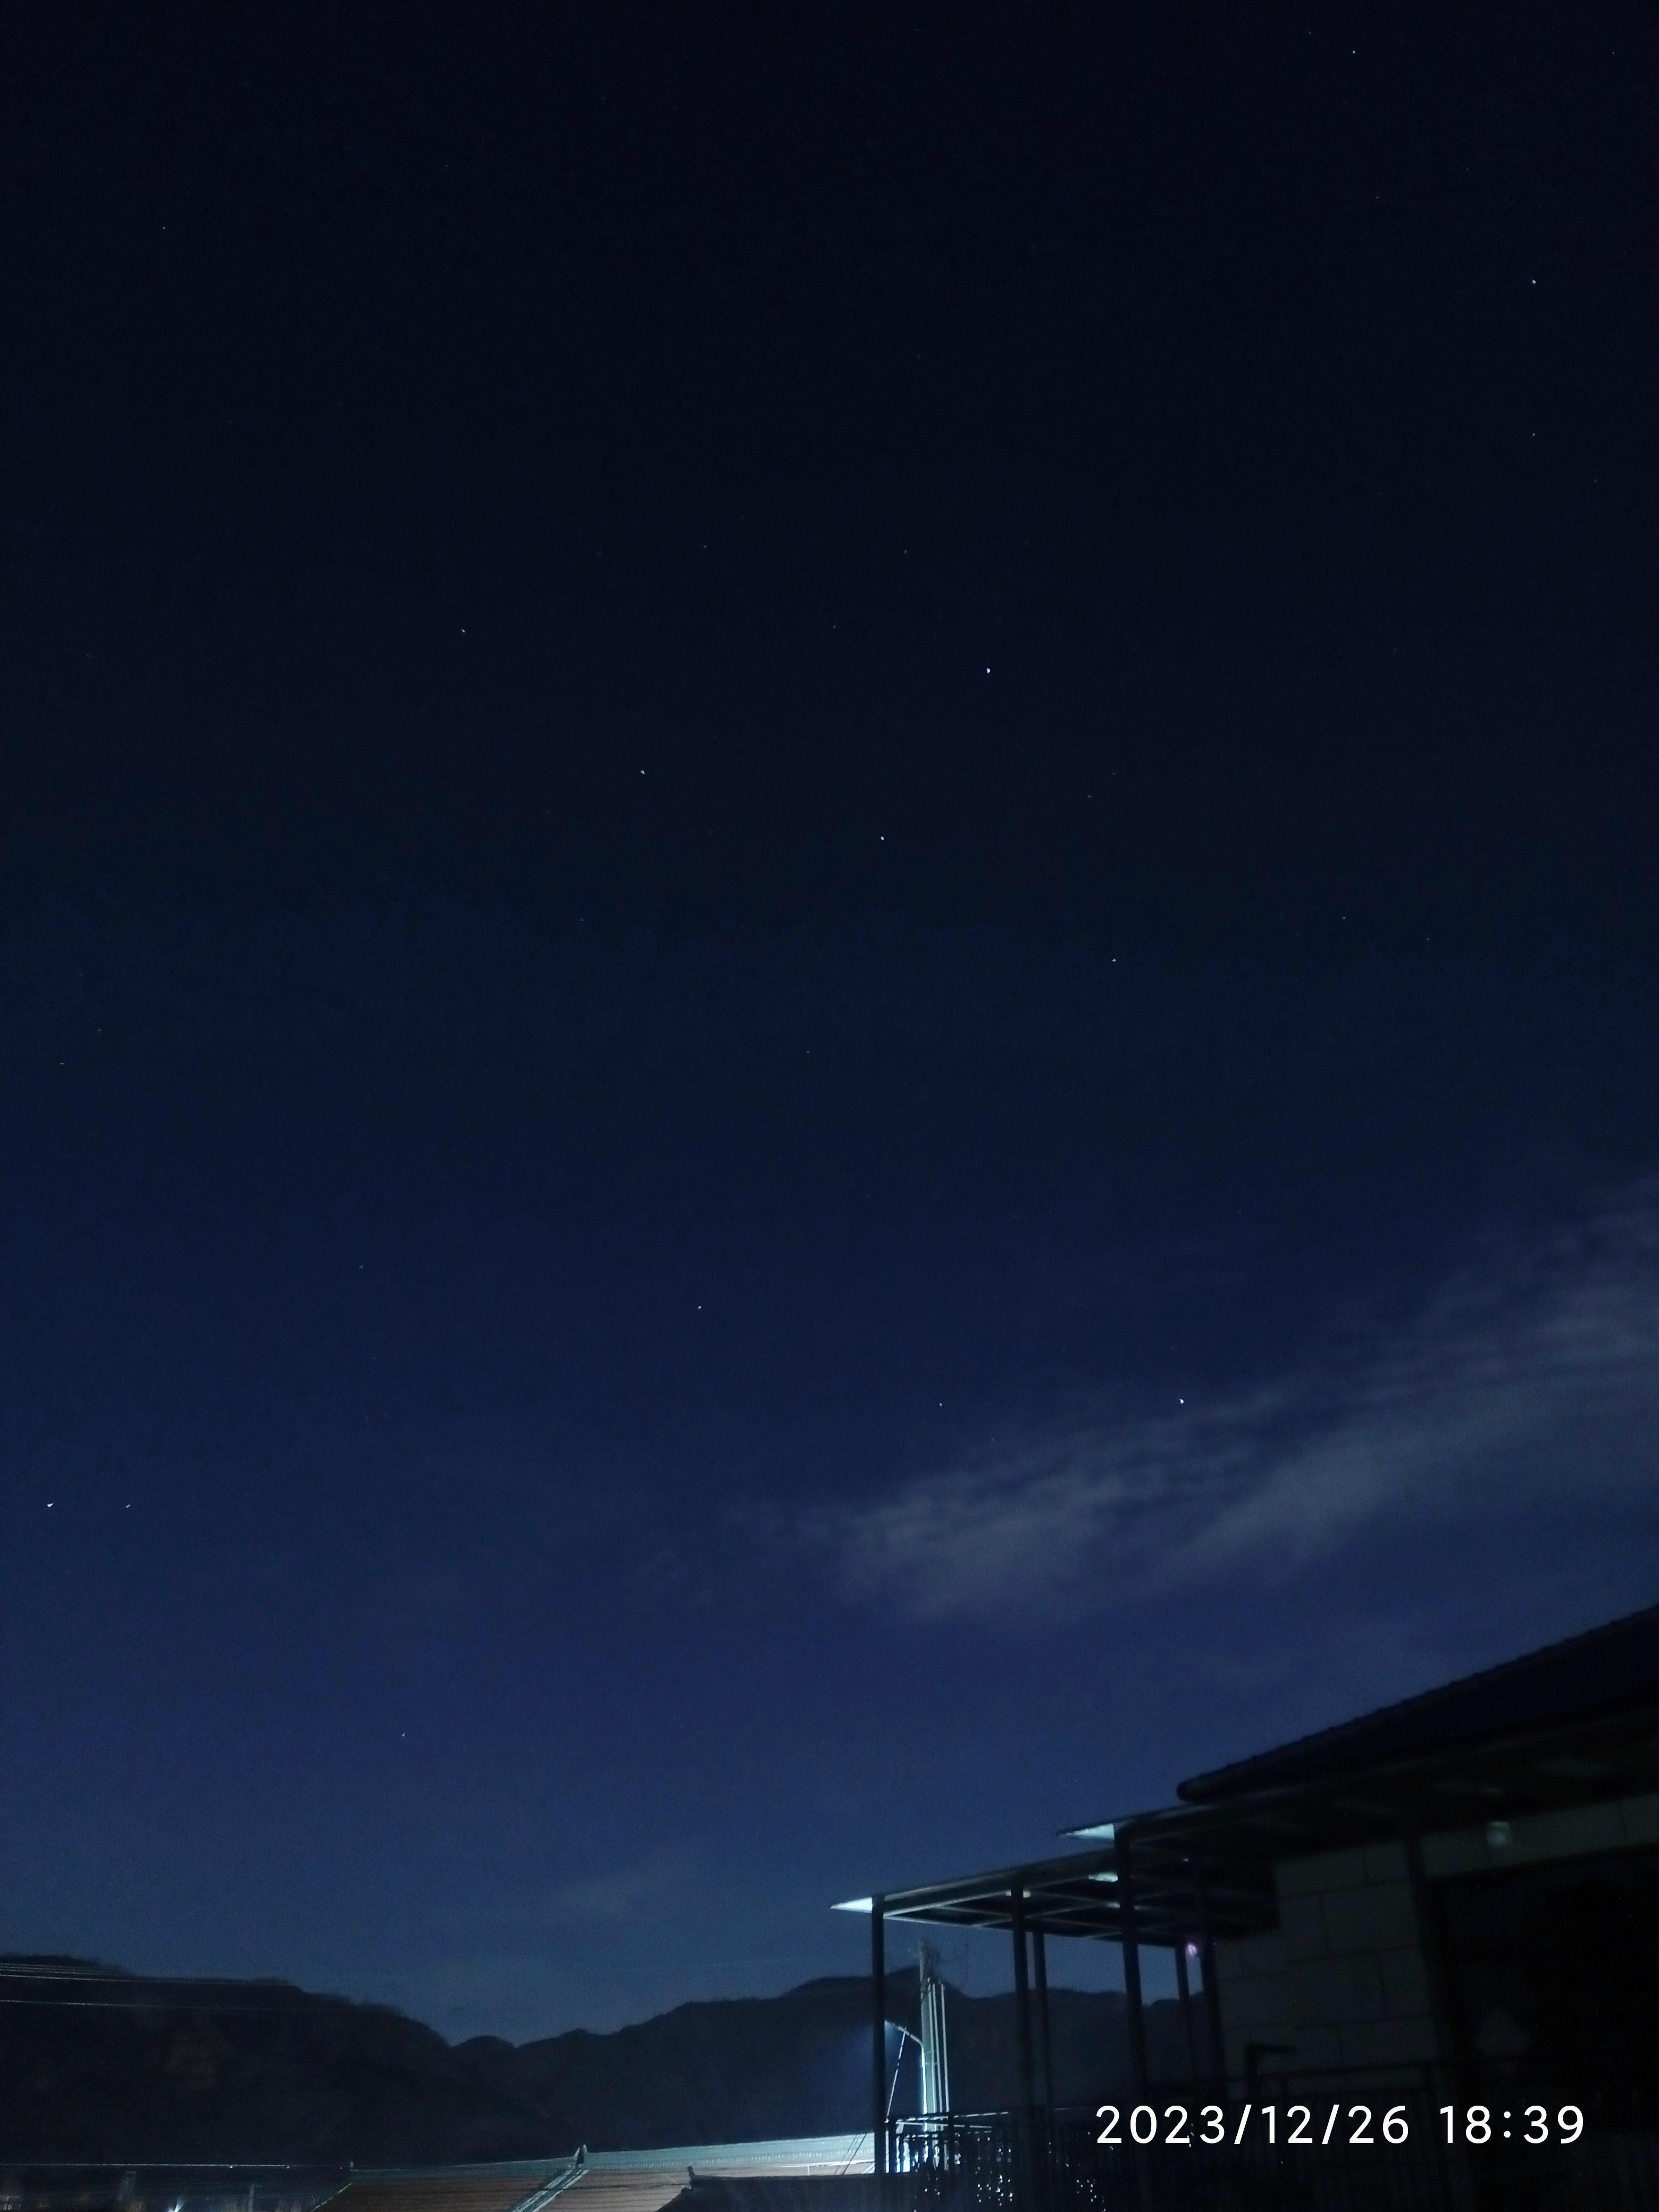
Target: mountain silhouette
x=98, y=2064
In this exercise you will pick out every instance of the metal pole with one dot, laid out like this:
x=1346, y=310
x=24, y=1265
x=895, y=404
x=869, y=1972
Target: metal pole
x=879, y=2033
x=1136, y=2015
x=1030, y=2188
x=1023, y=2003
x=1040, y=1959
x=1184, y=1990
x=1212, y=1987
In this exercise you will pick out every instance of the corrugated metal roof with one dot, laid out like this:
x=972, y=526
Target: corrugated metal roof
x=456, y=2188
x=1600, y=1672
x=625, y=2189
x=774, y=2154
x=646, y=2180
x=598, y=2181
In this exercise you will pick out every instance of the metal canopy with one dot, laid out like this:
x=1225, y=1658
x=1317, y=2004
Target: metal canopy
x=1208, y=1867
x=1082, y=1895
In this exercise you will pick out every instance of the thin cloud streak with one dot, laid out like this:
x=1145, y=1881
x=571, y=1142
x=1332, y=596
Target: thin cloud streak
x=1530, y=1378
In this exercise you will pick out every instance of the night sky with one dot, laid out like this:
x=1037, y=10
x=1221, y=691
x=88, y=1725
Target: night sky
x=827, y=962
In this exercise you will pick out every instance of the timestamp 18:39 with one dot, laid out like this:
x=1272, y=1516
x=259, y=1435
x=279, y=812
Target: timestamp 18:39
x=1352, y=2127
x=1530, y=2124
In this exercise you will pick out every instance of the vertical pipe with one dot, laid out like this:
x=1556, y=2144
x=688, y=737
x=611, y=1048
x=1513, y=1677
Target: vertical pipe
x=1136, y=2013
x=1212, y=1987
x=1040, y=1959
x=1184, y=1990
x=879, y=2033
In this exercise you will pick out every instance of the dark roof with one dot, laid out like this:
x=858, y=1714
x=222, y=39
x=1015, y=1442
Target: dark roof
x=1605, y=1671
x=1573, y=1724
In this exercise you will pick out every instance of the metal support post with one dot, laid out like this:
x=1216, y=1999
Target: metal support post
x=1040, y=1960
x=1136, y=2016
x=1031, y=2189
x=879, y=2033
x=1212, y=1987
x=1184, y=1990
x=1023, y=2003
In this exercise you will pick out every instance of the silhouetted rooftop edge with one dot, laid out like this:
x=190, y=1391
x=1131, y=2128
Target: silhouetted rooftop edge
x=1581, y=1677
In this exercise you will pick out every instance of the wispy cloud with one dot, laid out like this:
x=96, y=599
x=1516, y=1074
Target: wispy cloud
x=1531, y=1377
x=619, y=1896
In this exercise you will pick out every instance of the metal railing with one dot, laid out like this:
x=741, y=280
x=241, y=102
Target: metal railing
x=1333, y=2143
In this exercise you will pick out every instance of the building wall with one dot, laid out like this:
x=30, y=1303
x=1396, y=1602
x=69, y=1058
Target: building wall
x=1343, y=1980
x=1255, y=1992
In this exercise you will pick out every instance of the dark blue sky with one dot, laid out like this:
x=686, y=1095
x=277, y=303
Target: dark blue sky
x=828, y=948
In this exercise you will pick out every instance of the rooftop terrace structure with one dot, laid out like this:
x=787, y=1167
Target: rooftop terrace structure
x=1455, y=1897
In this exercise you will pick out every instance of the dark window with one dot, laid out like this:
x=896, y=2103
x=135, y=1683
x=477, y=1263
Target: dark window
x=1556, y=1968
